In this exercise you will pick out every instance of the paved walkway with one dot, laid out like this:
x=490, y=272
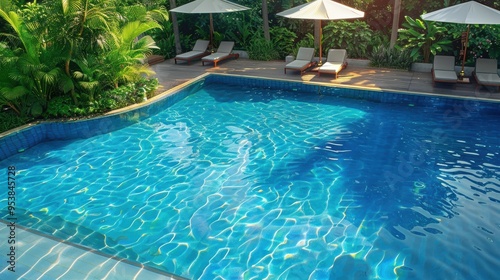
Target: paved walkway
x=356, y=74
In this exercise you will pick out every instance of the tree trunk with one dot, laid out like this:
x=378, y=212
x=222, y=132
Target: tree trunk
x=173, y=17
x=317, y=33
x=265, y=18
x=395, y=22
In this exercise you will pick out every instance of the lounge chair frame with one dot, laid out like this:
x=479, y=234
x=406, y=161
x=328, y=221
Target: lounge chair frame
x=486, y=73
x=303, y=60
x=336, y=61
x=224, y=51
x=199, y=50
x=443, y=70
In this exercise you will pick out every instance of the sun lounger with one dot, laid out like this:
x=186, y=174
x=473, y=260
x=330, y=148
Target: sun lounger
x=336, y=60
x=443, y=69
x=199, y=51
x=303, y=60
x=224, y=51
x=486, y=72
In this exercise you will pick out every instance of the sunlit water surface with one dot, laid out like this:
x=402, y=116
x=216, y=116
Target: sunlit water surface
x=247, y=183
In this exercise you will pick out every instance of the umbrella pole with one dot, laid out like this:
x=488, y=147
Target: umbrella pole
x=211, y=33
x=320, y=63
x=462, y=72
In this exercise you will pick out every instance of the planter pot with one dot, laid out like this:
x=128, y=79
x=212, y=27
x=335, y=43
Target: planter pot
x=243, y=54
x=358, y=62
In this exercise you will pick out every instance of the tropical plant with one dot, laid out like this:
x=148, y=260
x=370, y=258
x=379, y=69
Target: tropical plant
x=423, y=38
x=10, y=120
x=124, y=62
x=262, y=49
x=242, y=33
x=80, y=47
x=29, y=63
x=307, y=41
x=385, y=56
x=483, y=41
x=353, y=36
x=283, y=40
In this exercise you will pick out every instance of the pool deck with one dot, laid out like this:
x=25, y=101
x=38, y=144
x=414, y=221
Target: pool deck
x=356, y=74
x=41, y=257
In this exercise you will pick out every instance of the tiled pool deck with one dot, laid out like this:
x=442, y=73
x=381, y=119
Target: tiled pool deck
x=41, y=257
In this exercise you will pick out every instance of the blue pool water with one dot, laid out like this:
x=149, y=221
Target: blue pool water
x=236, y=182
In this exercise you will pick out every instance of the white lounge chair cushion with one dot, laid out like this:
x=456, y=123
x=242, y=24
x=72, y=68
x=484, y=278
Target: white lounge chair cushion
x=331, y=67
x=444, y=62
x=486, y=65
x=445, y=76
x=224, y=50
x=486, y=72
x=488, y=79
x=443, y=68
x=201, y=46
x=297, y=64
x=337, y=56
x=216, y=56
x=305, y=54
x=189, y=54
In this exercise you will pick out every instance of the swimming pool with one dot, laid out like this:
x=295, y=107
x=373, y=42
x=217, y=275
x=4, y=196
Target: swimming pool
x=241, y=178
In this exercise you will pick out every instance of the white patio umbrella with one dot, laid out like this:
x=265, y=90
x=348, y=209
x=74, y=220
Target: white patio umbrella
x=322, y=10
x=466, y=13
x=209, y=7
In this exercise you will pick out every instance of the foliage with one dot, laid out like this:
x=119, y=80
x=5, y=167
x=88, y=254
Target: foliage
x=165, y=40
x=483, y=41
x=423, y=38
x=10, y=120
x=353, y=36
x=261, y=49
x=72, y=50
x=384, y=56
x=125, y=95
x=283, y=40
x=307, y=41
x=242, y=29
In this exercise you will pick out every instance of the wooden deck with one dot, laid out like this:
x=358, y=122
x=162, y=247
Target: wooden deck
x=170, y=74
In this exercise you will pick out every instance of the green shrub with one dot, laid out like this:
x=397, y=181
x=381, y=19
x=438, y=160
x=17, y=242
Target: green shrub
x=354, y=36
x=261, y=49
x=165, y=40
x=384, y=56
x=63, y=107
x=483, y=41
x=306, y=42
x=10, y=120
x=283, y=40
x=423, y=38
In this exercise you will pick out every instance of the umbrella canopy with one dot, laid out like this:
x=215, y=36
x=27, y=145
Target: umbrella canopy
x=209, y=7
x=322, y=10
x=466, y=13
